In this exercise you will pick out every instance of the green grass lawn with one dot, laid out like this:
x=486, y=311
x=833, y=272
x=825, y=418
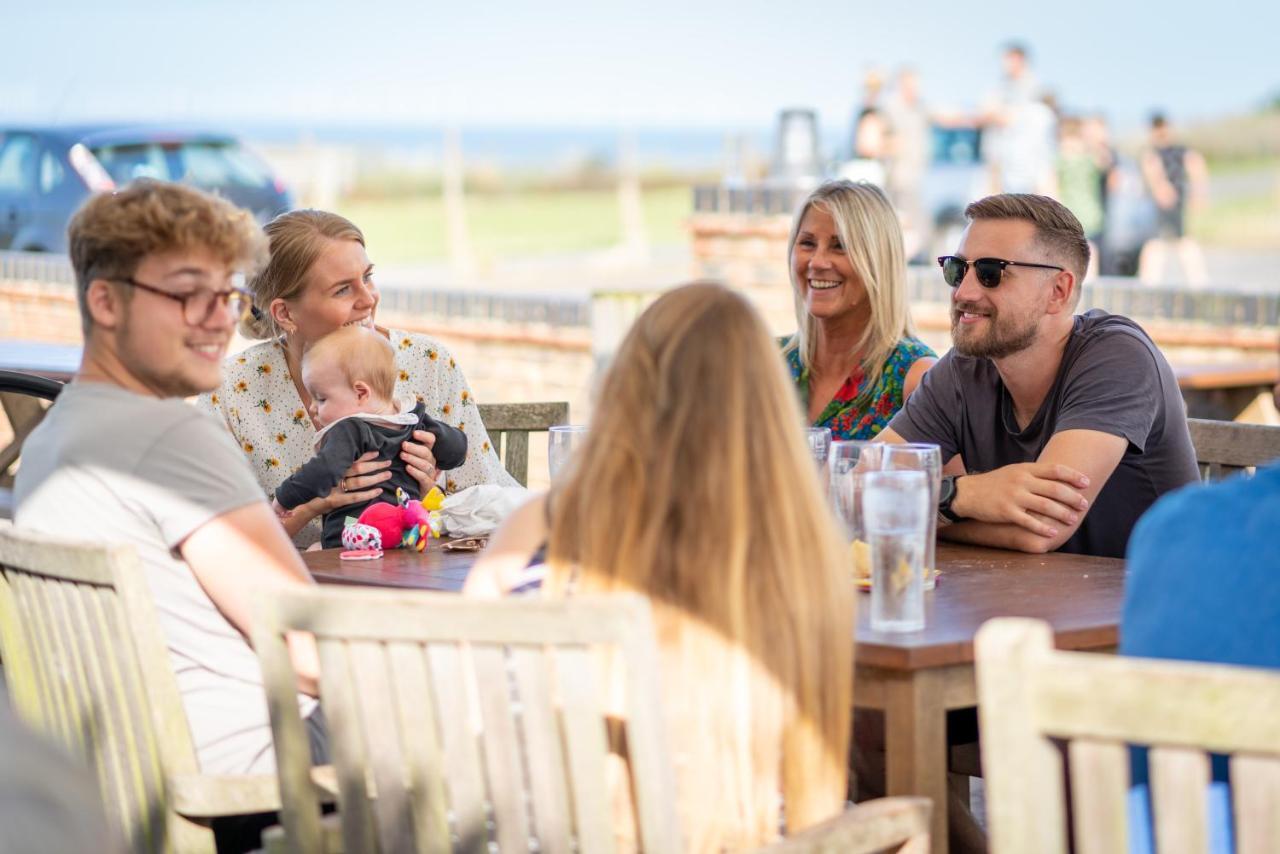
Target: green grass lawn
x=518, y=224
x=1244, y=222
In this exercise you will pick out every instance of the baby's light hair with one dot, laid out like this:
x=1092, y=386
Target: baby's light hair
x=362, y=355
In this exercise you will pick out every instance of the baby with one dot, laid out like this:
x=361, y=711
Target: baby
x=351, y=377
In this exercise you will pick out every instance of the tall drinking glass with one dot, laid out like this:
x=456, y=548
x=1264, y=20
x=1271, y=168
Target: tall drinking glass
x=928, y=459
x=562, y=441
x=846, y=463
x=895, y=511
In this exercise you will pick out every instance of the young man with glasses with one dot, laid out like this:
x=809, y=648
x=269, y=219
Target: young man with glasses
x=1061, y=429
x=121, y=458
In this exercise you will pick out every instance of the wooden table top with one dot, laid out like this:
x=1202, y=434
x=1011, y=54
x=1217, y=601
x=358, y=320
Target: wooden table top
x=1079, y=596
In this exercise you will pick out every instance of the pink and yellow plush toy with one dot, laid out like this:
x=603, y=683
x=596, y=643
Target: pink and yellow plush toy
x=406, y=524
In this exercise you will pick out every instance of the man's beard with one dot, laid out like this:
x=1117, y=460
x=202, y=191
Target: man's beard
x=1003, y=337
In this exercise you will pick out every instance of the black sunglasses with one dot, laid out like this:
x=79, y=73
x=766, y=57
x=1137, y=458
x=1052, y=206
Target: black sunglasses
x=988, y=270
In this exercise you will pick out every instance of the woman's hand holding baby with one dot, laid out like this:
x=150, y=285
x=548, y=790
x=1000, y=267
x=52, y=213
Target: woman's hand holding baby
x=420, y=462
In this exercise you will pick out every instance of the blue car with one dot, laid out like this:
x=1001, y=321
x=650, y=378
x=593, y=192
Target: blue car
x=47, y=172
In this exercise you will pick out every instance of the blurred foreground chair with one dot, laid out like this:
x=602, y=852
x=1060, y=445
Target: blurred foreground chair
x=23, y=399
x=86, y=664
x=455, y=723
x=509, y=426
x=1046, y=713
x=1224, y=448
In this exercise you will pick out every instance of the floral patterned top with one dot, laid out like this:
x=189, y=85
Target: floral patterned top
x=260, y=404
x=858, y=410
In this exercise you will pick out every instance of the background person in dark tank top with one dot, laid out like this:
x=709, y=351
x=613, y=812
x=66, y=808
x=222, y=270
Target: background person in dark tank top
x=1060, y=430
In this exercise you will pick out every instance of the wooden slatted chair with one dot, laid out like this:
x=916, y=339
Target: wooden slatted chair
x=85, y=663
x=1224, y=448
x=1032, y=699
x=455, y=722
x=509, y=426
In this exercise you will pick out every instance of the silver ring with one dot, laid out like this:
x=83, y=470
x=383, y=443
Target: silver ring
x=343, y=483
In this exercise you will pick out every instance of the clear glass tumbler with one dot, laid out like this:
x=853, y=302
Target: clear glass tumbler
x=928, y=459
x=895, y=511
x=562, y=441
x=819, y=439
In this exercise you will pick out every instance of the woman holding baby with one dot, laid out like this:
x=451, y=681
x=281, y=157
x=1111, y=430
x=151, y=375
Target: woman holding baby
x=320, y=279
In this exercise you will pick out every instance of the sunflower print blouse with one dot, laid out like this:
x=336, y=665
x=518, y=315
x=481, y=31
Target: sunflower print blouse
x=860, y=410
x=260, y=405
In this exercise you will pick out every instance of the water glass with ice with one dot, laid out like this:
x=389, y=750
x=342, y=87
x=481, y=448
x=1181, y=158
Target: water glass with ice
x=895, y=513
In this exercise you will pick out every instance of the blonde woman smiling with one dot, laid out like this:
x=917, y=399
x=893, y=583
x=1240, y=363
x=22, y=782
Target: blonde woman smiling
x=855, y=357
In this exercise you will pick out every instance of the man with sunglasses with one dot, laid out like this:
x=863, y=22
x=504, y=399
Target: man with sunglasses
x=1060, y=429
x=121, y=458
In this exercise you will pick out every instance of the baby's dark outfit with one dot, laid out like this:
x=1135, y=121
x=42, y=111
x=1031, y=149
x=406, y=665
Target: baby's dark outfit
x=343, y=443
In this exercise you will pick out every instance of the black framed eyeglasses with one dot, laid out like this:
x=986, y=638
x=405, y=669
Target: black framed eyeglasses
x=987, y=270
x=198, y=305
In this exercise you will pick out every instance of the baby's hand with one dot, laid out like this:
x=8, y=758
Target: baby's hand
x=280, y=512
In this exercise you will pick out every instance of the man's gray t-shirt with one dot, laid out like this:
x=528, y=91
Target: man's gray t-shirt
x=1113, y=379
x=115, y=467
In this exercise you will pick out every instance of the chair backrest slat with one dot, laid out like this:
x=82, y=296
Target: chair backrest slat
x=416, y=717
x=459, y=721
x=1032, y=697
x=498, y=710
x=585, y=754
x=502, y=753
x=342, y=714
x=1179, y=781
x=509, y=426
x=376, y=695
x=1098, y=807
x=1224, y=448
x=1255, y=791
x=538, y=722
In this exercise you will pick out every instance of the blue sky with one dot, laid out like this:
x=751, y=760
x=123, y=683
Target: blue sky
x=711, y=64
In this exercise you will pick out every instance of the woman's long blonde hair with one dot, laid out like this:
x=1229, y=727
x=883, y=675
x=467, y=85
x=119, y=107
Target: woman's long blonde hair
x=695, y=487
x=872, y=239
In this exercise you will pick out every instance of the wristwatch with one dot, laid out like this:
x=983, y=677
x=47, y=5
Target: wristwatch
x=946, y=497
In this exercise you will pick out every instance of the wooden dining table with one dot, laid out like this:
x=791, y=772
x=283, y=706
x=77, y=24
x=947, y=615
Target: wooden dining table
x=915, y=678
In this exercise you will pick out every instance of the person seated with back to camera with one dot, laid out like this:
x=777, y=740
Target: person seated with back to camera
x=351, y=377
x=1058, y=430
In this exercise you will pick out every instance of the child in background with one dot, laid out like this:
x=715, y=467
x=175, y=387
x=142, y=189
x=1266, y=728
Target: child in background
x=351, y=377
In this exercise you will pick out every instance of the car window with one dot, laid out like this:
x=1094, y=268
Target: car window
x=124, y=163
x=17, y=156
x=213, y=165
x=52, y=173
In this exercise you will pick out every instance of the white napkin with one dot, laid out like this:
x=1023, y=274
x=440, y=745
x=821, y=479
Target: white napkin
x=477, y=510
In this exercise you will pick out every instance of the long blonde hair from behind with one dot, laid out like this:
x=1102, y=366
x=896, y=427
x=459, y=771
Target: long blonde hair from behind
x=872, y=239
x=695, y=487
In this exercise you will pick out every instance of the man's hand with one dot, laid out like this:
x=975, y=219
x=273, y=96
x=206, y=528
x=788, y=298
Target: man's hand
x=1035, y=496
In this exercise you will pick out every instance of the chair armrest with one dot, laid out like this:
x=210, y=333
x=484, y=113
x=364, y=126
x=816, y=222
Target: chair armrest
x=214, y=795
x=865, y=828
